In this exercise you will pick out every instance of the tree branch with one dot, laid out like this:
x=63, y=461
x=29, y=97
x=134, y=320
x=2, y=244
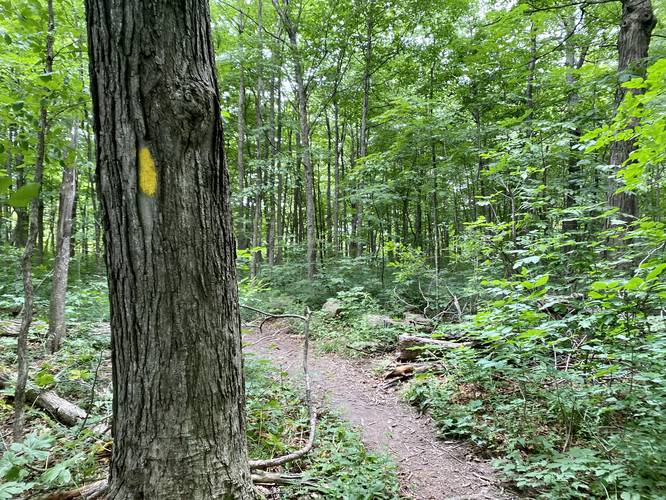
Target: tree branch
x=274, y=462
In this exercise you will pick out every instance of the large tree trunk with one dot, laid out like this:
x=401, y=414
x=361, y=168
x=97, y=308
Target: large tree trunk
x=638, y=21
x=178, y=409
x=57, y=326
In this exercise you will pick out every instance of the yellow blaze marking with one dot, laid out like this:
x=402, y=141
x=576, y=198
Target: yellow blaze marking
x=147, y=172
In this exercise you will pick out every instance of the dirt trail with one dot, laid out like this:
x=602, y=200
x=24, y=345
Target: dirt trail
x=428, y=468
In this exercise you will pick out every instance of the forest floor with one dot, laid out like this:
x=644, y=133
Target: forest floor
x=428, y=467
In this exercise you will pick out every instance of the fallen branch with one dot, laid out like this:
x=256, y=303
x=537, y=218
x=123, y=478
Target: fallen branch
x=456, y=303
x=274, y=462
x=269, y=316
x=11, y=328
x=406, y=371
x=411, y=347
x=61, y=409
x=91, y=491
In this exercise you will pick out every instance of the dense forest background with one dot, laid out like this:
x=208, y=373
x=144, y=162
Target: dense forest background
x=496, y=167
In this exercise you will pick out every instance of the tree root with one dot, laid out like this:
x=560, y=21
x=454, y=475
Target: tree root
x=97, y=490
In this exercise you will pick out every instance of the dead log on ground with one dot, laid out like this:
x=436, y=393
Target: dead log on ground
x=62, y=410
x=411, y=347
x=11, y=327
x=406, y=371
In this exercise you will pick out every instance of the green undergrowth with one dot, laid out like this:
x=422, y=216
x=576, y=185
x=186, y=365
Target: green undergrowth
x=53, y=457
x=338, y=467
x=563, y=379
x=565, y=389
x=87, y=291
x=353, y=331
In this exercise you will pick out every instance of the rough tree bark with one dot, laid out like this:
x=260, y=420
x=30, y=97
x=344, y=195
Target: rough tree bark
x=638, y=21
x=178, y=409
x=57, y=325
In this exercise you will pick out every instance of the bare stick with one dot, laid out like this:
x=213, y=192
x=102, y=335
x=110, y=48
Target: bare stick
x=274, y=316
x=274, y=462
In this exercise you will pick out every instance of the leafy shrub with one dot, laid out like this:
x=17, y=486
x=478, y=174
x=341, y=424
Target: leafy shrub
x=339, y=465
x=566, y=388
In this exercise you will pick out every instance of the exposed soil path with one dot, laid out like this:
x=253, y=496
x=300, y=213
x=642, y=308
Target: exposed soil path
x=428, y=467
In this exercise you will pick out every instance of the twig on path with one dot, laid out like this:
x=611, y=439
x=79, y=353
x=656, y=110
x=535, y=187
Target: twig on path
x=258, y=341
x=479, y=476
x=269, y=316
x=274, y=462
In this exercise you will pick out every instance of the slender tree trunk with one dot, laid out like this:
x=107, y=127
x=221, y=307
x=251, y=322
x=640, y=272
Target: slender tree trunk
x=57, y=325
x=363, y=135
x=39, y=250
x=329, y=214
x=336, y=176
x=272, y=172
x=5, y=210
x=20, y=232
x=50, y=240
x=240, y=142
x=638, y=21
x=354, y=205
x=570, y=225
x=281, y=192
x=343, y=170
x=418, y=217
x=531, y=74
x=308, y=171
x=84, y=228
x=259, y=194
x=283, y=196
x=320, y=216
x=178, y=408
x=26, y=260
x=75, y=208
